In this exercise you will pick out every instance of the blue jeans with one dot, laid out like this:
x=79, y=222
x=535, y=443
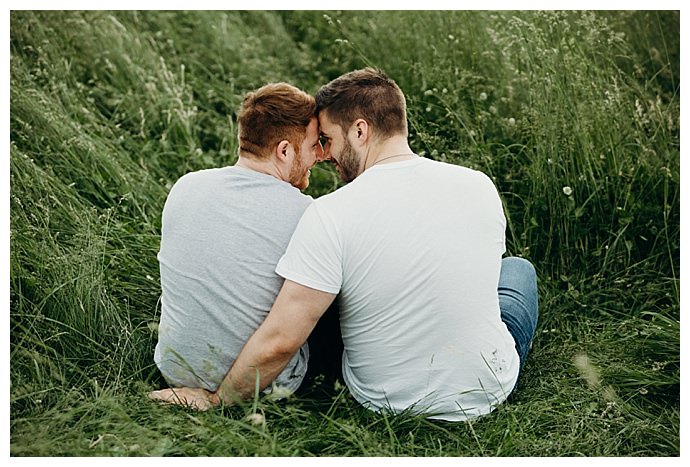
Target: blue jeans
x=517, y=298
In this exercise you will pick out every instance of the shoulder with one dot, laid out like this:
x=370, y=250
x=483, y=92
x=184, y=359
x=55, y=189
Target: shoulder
x=199, y=177
x=284, y=194
x=336, y=204
x=295, y=202
x=467, y=174
x=448, y=167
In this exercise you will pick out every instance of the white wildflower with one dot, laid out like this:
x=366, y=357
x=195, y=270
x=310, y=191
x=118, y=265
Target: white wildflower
x=279, y=392
x=483, y=96
x=567, y=191
x=255, y=419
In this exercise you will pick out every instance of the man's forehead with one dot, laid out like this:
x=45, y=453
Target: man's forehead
x=324, y=121
x=313, y=129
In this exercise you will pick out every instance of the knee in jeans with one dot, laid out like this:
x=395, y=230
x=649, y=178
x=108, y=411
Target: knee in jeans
x=526, y=268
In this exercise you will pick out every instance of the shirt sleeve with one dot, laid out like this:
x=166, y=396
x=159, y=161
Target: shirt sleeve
x=314, y=254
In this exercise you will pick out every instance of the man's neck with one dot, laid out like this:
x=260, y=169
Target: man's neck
x=393, y=149
x=261, y=166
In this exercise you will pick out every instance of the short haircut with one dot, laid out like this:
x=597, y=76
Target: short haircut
x=369, y=94
x=271, y=114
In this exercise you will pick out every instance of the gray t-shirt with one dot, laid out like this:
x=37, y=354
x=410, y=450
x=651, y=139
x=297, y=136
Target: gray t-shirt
x=223, y=232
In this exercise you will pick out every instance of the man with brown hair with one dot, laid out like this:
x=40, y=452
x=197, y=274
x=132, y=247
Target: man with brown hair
x=433, y=319
x=223, y=232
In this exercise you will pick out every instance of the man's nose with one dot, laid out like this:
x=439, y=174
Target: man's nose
x=321, y=154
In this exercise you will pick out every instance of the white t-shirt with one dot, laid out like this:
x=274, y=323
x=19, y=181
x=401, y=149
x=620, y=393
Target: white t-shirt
x=414, y=249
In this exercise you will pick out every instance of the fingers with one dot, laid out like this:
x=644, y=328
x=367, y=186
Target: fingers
x=188, y=397
x=164, y=395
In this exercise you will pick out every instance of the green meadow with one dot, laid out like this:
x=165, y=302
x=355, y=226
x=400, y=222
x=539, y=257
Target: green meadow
x=574, y=115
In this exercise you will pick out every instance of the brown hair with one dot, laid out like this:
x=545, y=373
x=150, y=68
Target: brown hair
x=369, y=94
x=271, y=114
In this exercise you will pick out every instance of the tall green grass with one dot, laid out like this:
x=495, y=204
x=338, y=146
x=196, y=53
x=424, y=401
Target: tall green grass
x=575, y=115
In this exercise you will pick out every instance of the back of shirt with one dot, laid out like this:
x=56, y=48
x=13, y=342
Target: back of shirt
x=223, y=232
x=414, y=249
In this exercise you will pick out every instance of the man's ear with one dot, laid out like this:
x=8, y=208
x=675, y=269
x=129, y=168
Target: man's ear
x=361, y=130
x=282, y=150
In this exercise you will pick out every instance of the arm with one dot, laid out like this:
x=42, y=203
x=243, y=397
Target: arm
x=295, y=312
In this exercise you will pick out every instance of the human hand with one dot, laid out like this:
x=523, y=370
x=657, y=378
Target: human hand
x=196, y=398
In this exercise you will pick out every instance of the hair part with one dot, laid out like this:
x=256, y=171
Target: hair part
x=369, y=94
x=271, y=114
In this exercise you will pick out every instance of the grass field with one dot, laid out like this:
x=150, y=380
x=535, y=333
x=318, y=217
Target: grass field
x=575, y=115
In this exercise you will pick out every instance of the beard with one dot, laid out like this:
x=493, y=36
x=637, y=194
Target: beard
x=348, y=163
x=299, y=174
